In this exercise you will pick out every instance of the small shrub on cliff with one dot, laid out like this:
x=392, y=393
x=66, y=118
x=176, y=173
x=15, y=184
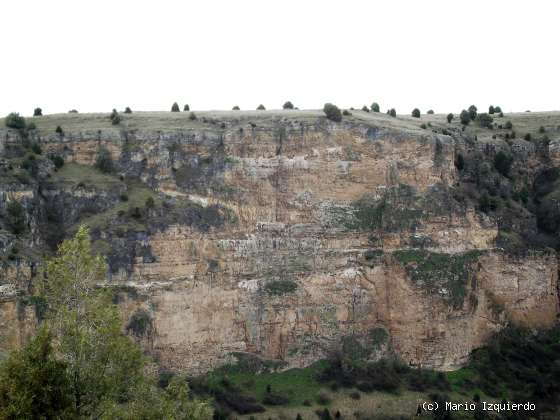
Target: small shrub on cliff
x=485, y=120
x=175, y=107
x=37, y=112
x=375, y=107
x=365, y=109
x=57, y=160
x=450, y=117
x=430, y=112
x=472, y=112
x=59, y=130
x=104, y=161
x=127, y=110
x=392, y=112
x=15, y=217
x=192, y=116
x=14, y=120
x=491, y=109
x=115, y=117
x=261, y=107
x=235, y=108
x=186, y=107
x=36, y=148
x=332, y=112
x=416, y=113
x=502, y=163
x=288, y=105
x=508, y=125
x=465, y=117
x=346, y=113
x=150, y=203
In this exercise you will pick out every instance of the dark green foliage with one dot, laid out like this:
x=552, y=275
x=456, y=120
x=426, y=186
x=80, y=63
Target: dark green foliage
x=73, y=111
x=522, y=366
x=542, y=129
x=498, y=110
x=37, y=112
x=392, y=112
x=192, y=116
x=460, y=162
x=104, y=161
x=416, y=113
x=280, y=287
x=140, y=323
x=434, y=271
x=485, y=120
x=127, y=110
x=375, y=107
x=36, y=148
x=465, y=117
x=346, y=113
x=59, y=130
x=57, y=160
x=150, y=203
x=487, y=204
x=175, y=107
x=365, y=108
x=508, y=125
x=472, y=112
x=491, y=109
x=235, y=108
x=288, y=105
x=503, y=162
x=31, y=126
x=15, y=217
x=272, y=398
x=33, y=383
x=450, y=117
x=186, y=107
x=332, y=112
x=261, y=107
x=527, y=137
x=115, y=117
x=430, y=112
x=124, y=197
x=423, y=126
x=14, y=120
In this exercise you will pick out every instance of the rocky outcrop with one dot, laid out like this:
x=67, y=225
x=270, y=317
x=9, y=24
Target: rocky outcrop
x=293, y=240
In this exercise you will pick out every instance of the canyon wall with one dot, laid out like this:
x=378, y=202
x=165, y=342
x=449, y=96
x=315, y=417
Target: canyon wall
x=285, y=239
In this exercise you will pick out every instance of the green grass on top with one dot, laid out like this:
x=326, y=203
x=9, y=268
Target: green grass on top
x=77, y=173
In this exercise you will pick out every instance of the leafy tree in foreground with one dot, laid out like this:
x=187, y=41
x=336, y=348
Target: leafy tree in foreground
x=33, y=383
x=90, y=369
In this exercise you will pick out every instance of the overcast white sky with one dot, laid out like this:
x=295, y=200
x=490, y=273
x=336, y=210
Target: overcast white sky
x=94, y=55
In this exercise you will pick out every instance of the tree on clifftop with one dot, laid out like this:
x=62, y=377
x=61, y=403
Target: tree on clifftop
x=332, y=112
x=175, y=107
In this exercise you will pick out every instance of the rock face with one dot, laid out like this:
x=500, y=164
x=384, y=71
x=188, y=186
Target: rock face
x=288, y=241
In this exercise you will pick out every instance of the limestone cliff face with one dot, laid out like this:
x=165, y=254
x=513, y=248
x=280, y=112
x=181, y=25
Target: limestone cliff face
x=293, y=240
